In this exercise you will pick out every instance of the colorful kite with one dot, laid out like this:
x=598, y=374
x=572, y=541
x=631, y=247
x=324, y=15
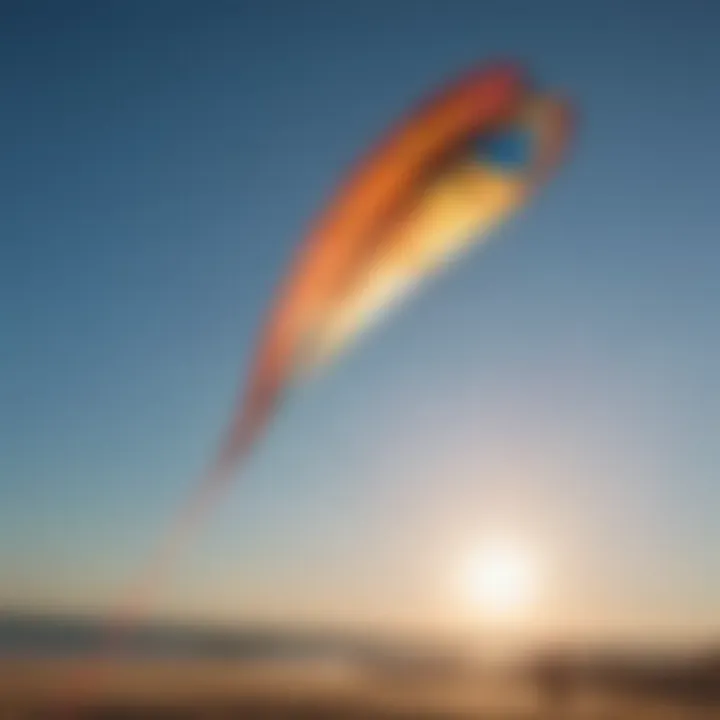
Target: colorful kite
x=445, y=176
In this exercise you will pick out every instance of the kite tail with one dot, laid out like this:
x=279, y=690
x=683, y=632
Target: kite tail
x=189, y=520
x=91, y=678
x=184, y=527
x=244, y=434
x=264, y=390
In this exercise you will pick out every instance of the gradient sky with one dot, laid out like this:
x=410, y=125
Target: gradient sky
x=159, y=162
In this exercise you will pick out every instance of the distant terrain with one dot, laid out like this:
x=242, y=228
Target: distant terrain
x=53, y=667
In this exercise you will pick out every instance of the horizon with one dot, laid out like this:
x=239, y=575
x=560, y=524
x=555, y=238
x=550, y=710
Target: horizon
x=391, y=637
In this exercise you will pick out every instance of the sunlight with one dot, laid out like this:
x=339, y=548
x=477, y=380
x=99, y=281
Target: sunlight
x=502, y=579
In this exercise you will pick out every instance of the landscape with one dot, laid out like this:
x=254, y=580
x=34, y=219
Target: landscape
x=186, y=672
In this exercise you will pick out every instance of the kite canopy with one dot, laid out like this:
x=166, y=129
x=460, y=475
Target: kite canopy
x=444, y=176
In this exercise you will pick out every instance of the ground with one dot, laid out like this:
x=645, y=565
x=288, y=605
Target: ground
x=207, y=690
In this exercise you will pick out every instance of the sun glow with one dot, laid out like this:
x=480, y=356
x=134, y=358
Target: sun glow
x=502, y=579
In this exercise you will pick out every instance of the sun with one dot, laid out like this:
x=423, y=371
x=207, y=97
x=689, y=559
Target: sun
x=502, y=579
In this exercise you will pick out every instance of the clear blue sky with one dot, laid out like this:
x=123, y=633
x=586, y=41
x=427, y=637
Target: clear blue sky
x=159, y=162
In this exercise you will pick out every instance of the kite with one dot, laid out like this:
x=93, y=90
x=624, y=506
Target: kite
x=450, y=172
x=441, y=180
x=447, y=174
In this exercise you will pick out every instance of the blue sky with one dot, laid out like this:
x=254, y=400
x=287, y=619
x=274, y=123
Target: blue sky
x=161, y=160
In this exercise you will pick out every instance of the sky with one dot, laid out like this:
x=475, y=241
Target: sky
x=160, y=161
